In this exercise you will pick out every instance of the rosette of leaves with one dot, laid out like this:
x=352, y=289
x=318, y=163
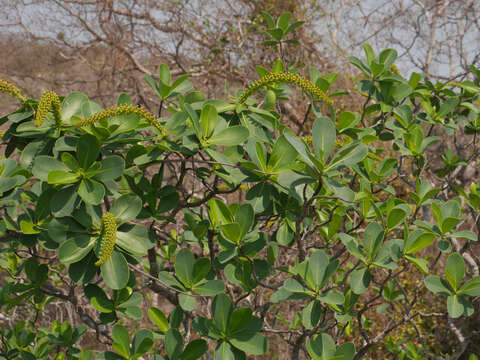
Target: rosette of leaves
x=322, y=347
x=79, y=237
x=12, y=175
x=447, y=215
x=123, y=302
x=193, y=277
x=29, y=343
x=371, y=251
x=165, y=88
x=308, y=281
x=126, y=349
x=212, y=130
x=173, y=338
x=451, y=287
x=237, y=331
x=78, y=175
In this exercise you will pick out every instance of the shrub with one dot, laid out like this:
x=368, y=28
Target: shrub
x=255, y=241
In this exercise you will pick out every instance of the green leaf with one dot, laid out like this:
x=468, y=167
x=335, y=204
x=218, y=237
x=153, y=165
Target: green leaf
x=418, y=240
x=239, y=320
x=471, y=287
x=283, y=156
x=437, y=285
x=135, y=239
x=159, y=319
x=115, y=271
x=142, y=342
x=464, y=234
x=387, y=57
x=126, y=208
x=112, y=168
x=91, y=191
x=121, y=340
x=173, y=343
x=222, y=308
x=345, y=352
x=251, y=343
x=44, y=165
x=208, y=120
x=201, y=268
x=360, y=64
x=311, y=314
x=372, y=239
x=230, y=136
x=187, y=302
x=59, y=177
x=194, y=350
x=284, y=20
x=348, y=155
x=397, y=215
x=184, y=262
x=454, y=306
x=209, y=288
x=99, y=299
x=360, y=280
x=455, y=270
x=87, y=150
x=75, y=249
x=324, y=135
x=321, y=347
x=244, y=217
x=369, y=53
x=317, y=264
x=224, y=351
x=232, y=232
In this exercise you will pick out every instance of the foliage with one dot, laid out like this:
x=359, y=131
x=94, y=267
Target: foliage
x=110, y=206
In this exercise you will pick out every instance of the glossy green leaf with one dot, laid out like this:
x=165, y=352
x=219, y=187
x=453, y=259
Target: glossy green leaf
x=251, y=343
x=208, y=120
x=159, y=319
x=184, y=263
x=173, y=343
x=438, y=285
x=455, y=270
x=324, y=134
x=91, y=191
x=87, y=150
x=230, y=136
x=126, y=208
x=222, y=308
x=115, y=271
x=471, y=287
x=194, y=350
x=75, y=249
x=121, y=340
x=360, y=280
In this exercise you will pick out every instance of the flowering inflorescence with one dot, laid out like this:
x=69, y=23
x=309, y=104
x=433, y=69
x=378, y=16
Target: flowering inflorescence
x=49, y=100
x=301, y=82
x=122, y=110
x=11, y=89
x=108, y=237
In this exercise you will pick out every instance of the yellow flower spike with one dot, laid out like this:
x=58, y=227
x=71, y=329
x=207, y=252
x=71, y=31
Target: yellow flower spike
x=49, y=100
x=121, y=110
x=108, y=238
x=306, y=85
x=11, y=89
